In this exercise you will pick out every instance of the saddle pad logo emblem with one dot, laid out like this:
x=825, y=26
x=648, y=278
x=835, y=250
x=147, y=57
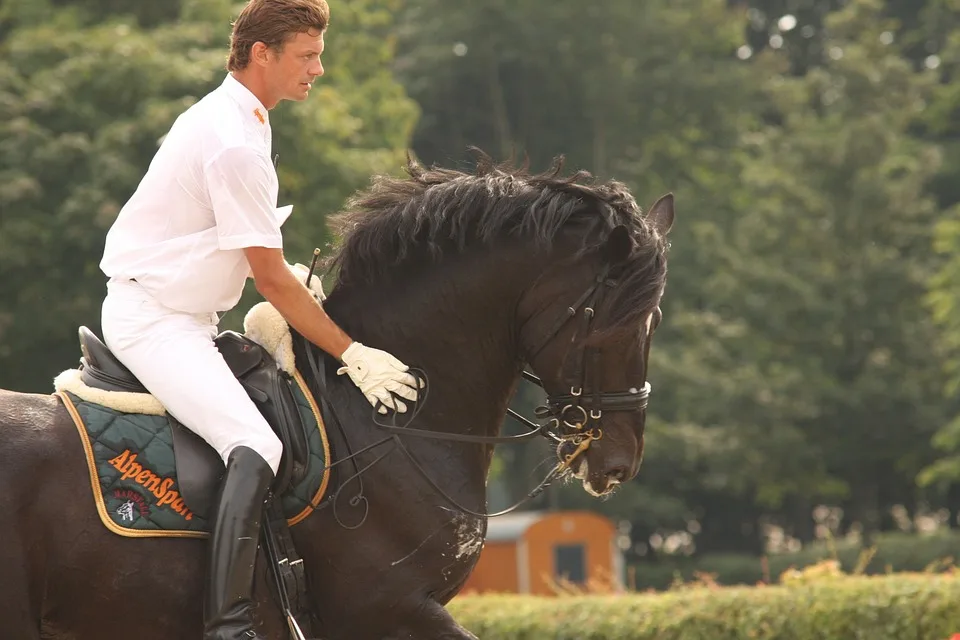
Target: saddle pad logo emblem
x=162, y=488
x=132, y=505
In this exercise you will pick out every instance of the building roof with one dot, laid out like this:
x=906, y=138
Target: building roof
x=512, y=526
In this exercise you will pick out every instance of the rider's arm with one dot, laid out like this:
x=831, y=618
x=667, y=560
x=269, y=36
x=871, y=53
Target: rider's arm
x=239, y=182
x=375, y=372
x=277, y=284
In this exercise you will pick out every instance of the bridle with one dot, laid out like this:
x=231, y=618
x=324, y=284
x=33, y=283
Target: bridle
x=572, y=418
x=575, y=416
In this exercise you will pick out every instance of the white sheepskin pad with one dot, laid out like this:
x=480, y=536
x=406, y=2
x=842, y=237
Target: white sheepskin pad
x=263, y=324
x=123, y=401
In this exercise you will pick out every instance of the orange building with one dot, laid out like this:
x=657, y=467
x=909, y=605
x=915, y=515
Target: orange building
x=526, y=552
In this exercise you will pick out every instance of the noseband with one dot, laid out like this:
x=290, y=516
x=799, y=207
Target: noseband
x=575, y=416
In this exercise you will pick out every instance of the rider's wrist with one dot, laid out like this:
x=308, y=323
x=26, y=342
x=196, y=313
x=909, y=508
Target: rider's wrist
x=349, y=352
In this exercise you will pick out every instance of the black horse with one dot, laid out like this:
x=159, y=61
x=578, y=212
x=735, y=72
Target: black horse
x=469, y=277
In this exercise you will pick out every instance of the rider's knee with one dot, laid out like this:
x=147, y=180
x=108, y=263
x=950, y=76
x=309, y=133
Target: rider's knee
x=268, y=445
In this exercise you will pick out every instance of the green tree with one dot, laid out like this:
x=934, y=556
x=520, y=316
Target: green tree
x=943, y=121
x=831, y=259
x=643, y=88
x=799, y=29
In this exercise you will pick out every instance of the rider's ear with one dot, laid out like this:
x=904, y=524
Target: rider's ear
x=617, y=247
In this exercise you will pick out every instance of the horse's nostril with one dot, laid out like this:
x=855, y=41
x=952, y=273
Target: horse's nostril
x=618, y=474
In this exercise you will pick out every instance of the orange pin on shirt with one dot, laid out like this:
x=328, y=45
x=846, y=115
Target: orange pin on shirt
x=259, y=115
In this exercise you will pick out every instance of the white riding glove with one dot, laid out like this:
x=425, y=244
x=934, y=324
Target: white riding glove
x=316, y=284
x=377, y=373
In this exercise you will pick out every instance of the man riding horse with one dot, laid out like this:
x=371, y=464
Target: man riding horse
x=204, y=219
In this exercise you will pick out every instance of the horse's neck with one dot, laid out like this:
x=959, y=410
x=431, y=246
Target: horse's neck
x=456, y=321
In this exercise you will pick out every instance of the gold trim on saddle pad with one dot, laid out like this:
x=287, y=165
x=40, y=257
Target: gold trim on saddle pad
x=100, y=503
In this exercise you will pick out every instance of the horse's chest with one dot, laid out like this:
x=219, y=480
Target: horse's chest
x=458, y=548
x=453, y=548
x=466, y=539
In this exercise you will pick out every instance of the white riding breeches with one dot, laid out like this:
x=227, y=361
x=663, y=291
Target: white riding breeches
x=172, y=353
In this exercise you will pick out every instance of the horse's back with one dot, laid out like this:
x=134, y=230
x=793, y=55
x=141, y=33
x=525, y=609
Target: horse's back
x=34, y=429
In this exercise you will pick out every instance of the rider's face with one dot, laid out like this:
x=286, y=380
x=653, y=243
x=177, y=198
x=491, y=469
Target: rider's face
x=291, y=72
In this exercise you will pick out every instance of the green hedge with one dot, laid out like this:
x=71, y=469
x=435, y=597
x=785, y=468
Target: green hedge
x=895, y=607
x=893, y=552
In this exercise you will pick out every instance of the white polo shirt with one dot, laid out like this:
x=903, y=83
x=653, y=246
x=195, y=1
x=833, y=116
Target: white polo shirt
x=210, y=191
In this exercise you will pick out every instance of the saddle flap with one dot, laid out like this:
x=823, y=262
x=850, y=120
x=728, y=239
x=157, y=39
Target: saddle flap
x=270, y=390
x=199, y=468
x=279, y=408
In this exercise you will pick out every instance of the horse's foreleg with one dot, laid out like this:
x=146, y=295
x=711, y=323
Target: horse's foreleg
x=431, y=622
x=19, y=616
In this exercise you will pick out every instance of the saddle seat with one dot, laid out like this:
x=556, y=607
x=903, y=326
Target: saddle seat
x=199, y=467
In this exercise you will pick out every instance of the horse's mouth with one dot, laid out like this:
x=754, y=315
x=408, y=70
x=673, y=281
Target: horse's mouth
x=597, y=484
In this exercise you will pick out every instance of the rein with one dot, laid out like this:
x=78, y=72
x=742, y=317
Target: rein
x=394, y=439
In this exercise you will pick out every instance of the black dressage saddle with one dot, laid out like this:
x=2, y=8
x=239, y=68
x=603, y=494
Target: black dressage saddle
x=199, y=467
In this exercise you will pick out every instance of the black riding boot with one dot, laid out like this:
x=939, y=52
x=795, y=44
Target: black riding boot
x=235, y=533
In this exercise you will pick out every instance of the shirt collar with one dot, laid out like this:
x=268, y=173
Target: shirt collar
x=250, y=104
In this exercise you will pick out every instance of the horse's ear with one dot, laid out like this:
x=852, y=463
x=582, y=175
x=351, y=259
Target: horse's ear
x=661, y=214
x=618, y=246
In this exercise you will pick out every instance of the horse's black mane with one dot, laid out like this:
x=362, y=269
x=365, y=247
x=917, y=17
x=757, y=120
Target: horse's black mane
x=439, y=209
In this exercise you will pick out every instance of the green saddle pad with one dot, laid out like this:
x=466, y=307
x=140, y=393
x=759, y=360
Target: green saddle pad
x=134, y=478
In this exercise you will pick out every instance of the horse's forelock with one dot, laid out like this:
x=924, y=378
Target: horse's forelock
x=636, y=296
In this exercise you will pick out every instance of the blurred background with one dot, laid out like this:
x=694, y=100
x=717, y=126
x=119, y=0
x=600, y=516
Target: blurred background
x=806, y=374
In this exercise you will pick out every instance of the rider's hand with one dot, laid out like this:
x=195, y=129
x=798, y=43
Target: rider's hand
x=377, y=373
x=316, y=284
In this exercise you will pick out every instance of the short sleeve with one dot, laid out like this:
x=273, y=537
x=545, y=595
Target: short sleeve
x=241, y=193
